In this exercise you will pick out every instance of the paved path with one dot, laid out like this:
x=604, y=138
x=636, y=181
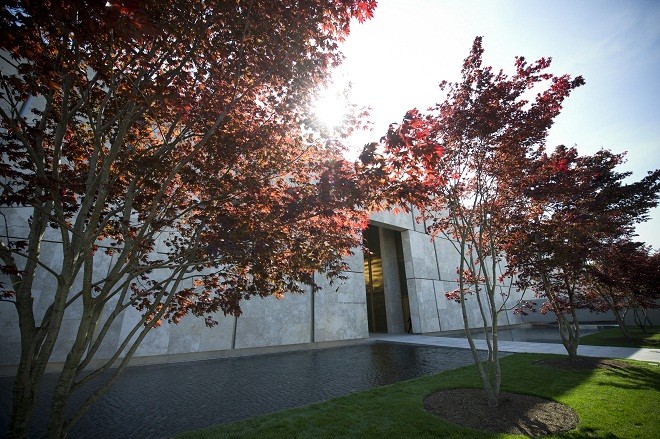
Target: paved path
x=651, y=355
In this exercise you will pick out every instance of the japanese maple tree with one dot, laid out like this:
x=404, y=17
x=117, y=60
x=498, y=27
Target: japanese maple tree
x=464, y=164
x=160, y=157
x=624, y=277
x=577, y=207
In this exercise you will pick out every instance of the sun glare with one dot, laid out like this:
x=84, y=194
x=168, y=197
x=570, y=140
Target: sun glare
x=331, y=107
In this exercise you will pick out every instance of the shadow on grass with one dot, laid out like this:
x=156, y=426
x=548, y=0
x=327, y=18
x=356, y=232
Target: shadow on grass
x=614, y=337
x=631, y=377
x=616, y=401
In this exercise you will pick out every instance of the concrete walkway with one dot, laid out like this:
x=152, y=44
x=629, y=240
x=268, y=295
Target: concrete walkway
x=641, y=354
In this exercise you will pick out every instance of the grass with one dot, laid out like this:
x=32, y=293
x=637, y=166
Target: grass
x=619, y=403
x=614, y=337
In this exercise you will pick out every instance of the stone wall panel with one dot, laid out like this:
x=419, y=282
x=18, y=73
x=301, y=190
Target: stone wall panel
x=419, y=256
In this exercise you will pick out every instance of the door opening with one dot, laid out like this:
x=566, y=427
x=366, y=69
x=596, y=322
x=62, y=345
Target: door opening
x=373, y=279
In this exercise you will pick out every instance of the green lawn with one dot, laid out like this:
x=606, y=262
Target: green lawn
x=614, y=337
x=620, y=403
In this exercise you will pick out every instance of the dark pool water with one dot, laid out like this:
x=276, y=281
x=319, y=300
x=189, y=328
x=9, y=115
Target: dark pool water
x=161, y=400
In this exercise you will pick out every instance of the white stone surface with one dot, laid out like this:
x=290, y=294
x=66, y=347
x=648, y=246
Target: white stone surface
x=419, y=255
x=336, y=312
x=345, y=319
x=16, y=221
x=218, y=337
x=185, y=336
x=156, y=342
x=423, y=308
x=419, y=224
x=111, y=340
x=448, y=259
x=356, y=260
x=345, y=322
x=10, y=346
x=397, y=221
x=269, y=321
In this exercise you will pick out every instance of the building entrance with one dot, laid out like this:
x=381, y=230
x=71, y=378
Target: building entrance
x=385, y=281
x=373, y=279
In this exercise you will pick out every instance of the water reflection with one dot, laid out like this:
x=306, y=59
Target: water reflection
x=162, y=400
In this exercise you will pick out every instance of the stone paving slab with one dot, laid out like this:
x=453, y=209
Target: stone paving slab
x=641, y=354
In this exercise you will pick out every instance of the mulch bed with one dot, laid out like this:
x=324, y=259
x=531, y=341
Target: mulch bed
x=515, y=414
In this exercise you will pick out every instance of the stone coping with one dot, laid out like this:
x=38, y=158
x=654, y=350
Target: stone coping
x=10, y=370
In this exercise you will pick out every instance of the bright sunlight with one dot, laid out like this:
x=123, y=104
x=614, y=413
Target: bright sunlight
x=331, y=107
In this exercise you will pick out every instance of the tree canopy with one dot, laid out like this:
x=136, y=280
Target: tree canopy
x=464, y=163
x=170, y=155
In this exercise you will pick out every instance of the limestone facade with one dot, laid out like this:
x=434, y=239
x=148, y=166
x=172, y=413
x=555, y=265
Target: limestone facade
x=416, y=273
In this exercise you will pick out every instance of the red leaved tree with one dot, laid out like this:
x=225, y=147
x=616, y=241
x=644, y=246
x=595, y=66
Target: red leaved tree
x=464, y=165
x=160, y=157
x=625, y=276
x=577, y=206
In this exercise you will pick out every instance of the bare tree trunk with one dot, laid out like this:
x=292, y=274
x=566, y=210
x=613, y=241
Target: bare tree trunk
x=641, y=322
x=24, y=391
x=569, y=335
x=36, y=347
x=66, y=379
x=494, y=360
x=620, y=321
x=611, y=303
x=574, y=332
x=569, y=331
x=492, y=389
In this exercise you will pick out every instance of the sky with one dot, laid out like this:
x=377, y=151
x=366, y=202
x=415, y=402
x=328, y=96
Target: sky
x=395, y=62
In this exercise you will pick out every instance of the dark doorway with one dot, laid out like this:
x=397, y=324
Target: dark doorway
x=373, y=279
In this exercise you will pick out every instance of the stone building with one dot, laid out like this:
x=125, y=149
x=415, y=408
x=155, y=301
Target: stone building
x=398, y=287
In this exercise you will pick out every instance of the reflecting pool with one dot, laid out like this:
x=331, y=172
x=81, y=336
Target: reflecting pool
x=161, y=400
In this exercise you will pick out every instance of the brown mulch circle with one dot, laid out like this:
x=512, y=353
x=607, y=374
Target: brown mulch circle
x=582, y=363
x=515, y=414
